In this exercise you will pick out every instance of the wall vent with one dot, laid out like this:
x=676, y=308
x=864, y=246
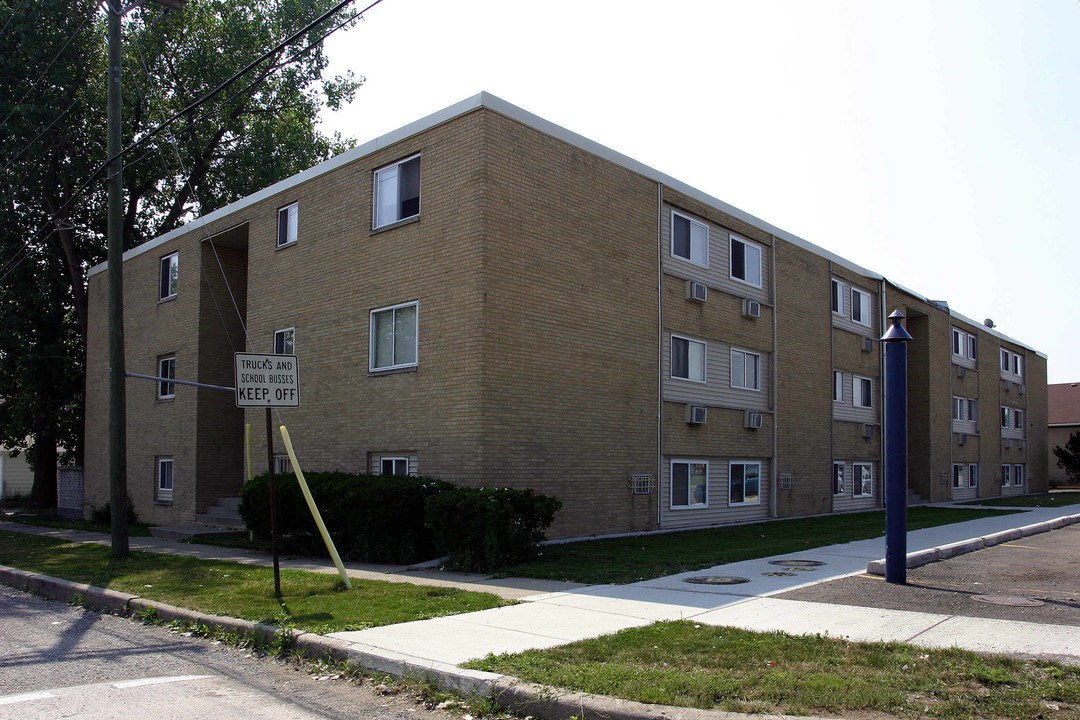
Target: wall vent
x=751, y=308
x=753, y=420
x=642, y=483
x=961, y=371
x=867, y=344
x=963, y=439
x=696, y=414
x=868, y=431
x=696, y=291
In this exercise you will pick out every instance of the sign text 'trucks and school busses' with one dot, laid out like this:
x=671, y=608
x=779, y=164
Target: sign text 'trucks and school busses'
x=266, y=380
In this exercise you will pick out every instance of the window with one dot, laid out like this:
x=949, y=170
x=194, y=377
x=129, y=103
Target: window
x=1006, y=361
x=168, y=276
x=837, y=386
x=864, y=479
x=689, y=239
x=965, y=344
x=958, y=408
x=1018, y=419
x=973, y=475
x=862, y=392
x=393, y=337
x=744, y=483
x=394, y=465
x=397, y=192
x=167, y=371
x=284, y=341
x=286, y=225
x=745, y=370
x=1006, y=475
x=745, y=262
x=689, y=483
x=282, y=465
x=965, y=409
x=687, y=359
x=838, y=472
x=1005, y=417
x=1018, y=365
x=957, y=342
x=839, y=290
x=1018, y=475
x=973, y=409
x=861, y=307
x=973, y=347
x=164, y=491
x=957, y=475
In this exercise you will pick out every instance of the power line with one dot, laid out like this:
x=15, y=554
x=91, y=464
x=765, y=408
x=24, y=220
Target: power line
x=14, y=12
x=38, y=136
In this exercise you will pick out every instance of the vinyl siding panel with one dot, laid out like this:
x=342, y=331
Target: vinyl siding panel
x=716, y=390
x=718, y=511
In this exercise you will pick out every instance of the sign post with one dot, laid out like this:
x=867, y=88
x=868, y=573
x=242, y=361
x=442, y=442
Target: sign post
x=268, y=381
x=896, y=442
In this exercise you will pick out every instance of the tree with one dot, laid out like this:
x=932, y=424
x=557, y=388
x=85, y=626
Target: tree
x=263, y=128
x=1069, y=457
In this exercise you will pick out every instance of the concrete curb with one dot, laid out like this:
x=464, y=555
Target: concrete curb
x=944, y=552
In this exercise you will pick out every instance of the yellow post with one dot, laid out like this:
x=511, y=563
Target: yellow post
x=247, y=447
x=314, y=510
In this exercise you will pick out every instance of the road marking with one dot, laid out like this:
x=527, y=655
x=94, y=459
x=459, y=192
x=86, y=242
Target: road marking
x=1026, y=547
x=156, y=681
x=25, y=697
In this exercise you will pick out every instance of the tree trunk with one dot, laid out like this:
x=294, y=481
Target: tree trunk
x=43, y=494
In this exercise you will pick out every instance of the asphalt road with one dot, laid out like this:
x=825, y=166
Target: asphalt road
x=1042, y=568
x=63, y=661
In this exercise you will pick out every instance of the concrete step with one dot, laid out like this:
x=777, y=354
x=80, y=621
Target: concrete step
x=226, y=522
x=184, y=532
x=224, y=512
x=233, y=503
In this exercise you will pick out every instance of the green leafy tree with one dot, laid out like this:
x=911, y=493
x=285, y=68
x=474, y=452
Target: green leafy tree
x=53, y=89
x=1069, y=457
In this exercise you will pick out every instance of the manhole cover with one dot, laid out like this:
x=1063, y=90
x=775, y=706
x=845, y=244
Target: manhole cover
x=716, y=580
x=797, y=563
x=1009, y=600
x=778, y=573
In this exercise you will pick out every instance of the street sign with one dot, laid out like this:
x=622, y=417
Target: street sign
x=266, y=380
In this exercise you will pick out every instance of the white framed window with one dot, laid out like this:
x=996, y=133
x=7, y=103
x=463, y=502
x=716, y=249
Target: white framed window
x=965, y=409
x=164, y=485
x=837, y=386
x=282, y=464
x=745, y=261
x=1018, y=365
x=958, y=475
x=839, y=291
x=745, y=370
x=973, y=475
x=958, y=405
x=744, y=483
x=861, y=307
x=839, y=473
x=167, y=371
x=286, y=225
x=972, y=347
x=394, y=465
x=1018, y=419
x=688, y=359
x=689, y=239
x=973, y=409
x=1006, y=361
x=285, y=341
x=168, y=275
x=862, y=392
x=965, y=344
x=393, y=337
x=957, y=342
x=1018, y=475
x=397, y=192
x=1006, y=475
x=863, y=479
x=689, y=483
x=1006, y=417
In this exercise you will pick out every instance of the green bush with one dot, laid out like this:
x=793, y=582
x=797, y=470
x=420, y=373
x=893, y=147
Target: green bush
x=484, y=529
x=373, y=518
x=102, y=514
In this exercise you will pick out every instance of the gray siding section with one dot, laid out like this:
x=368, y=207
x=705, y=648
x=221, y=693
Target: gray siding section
x=716, y=390
x=718, y=511
x=848, y=500
x=848, y=412
x=843, y=319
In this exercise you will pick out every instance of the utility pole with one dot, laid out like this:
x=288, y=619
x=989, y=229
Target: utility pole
x=118, y=494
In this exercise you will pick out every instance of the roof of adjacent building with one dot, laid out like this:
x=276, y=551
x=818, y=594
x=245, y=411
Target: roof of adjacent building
x=491, y=102
x=1063, y=404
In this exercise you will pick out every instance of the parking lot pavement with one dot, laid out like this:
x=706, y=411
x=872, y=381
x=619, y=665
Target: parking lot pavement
x=1034, y=579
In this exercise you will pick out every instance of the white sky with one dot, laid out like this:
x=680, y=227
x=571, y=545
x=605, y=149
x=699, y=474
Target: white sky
x=933, y=141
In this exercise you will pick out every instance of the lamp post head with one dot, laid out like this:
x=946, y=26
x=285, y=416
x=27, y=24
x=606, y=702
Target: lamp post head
x=896, y=333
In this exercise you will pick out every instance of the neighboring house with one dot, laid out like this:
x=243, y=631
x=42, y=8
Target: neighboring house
x=487, y=298
x=1063, y=416
x=16, y=477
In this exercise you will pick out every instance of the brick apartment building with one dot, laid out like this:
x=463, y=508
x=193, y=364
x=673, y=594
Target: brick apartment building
x=487, y=298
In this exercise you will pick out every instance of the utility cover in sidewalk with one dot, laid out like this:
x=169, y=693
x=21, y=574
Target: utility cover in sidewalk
x=1008, y=600
x=716, y=580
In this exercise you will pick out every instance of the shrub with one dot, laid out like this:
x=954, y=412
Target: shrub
x=484, y=529
x=102, y=514
x=373, y=518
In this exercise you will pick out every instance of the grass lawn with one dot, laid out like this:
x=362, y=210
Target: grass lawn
x=312, y=601
x=1058, y=499
x=629, y=559
x=723, y=668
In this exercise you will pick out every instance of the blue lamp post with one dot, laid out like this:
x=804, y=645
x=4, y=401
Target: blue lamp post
x=896, y=340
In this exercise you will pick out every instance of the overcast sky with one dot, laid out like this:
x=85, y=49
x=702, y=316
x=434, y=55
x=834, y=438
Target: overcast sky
x=936, y=142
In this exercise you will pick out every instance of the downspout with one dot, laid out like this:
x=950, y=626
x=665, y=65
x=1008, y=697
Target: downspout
x=883, y=314
x=832, y=407
x=774, y=482
x=659, y=348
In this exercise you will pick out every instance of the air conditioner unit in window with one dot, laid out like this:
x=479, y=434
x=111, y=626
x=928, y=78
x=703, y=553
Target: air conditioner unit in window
x=963, y=439
x=1008, y=442
x=1008, y=384
x=868, y=431
x=753, y=420
x=696, y=414
x=961, y=371
x=867, y=344
x=1023, y=444
x=696, y=291
x=751, y=308
x=1023, y=389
